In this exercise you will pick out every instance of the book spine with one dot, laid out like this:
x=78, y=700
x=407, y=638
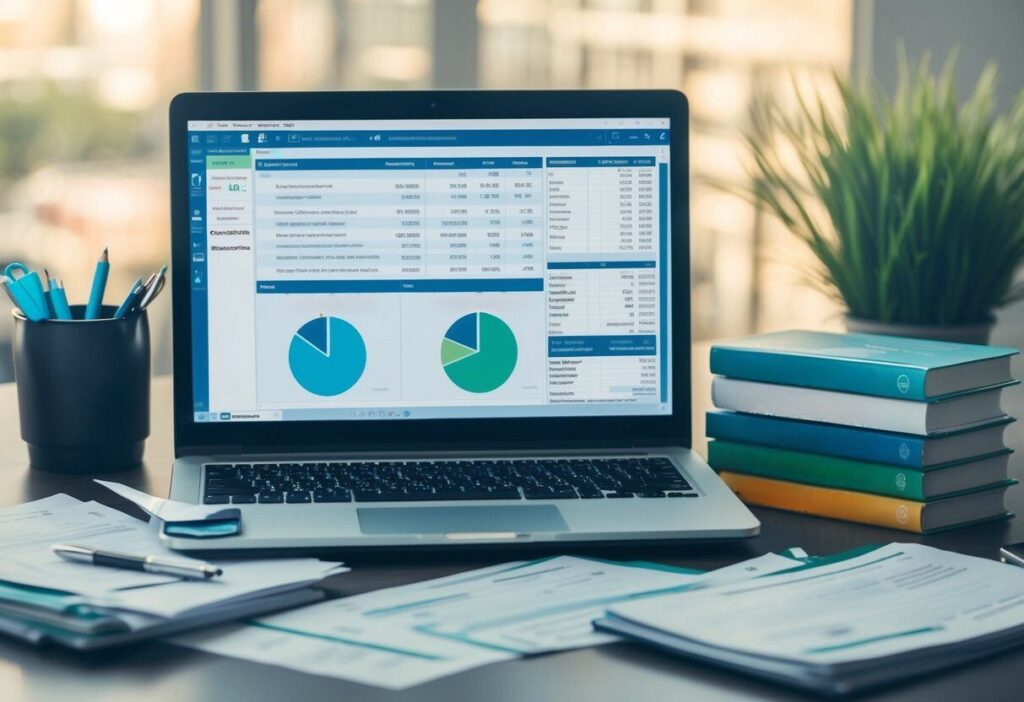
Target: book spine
x=859, y=444
x=826, y=502
x=815, y=469
x=815, y=405
x=845, y=375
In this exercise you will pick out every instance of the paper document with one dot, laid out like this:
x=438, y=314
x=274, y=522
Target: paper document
x=167, y=510
x=27, y=532
x=418, y=658
x=892, y=600
x=549, y=605
x=431, y=629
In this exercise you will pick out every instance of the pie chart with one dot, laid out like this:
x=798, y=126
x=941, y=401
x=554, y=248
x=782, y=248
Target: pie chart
x=327, y=356
x=479, y=352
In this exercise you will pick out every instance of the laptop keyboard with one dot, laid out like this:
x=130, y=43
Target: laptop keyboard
x=425, y=481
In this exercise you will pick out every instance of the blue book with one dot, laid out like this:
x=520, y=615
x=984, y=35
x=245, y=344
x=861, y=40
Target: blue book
x=860, y=444
x=866, y=364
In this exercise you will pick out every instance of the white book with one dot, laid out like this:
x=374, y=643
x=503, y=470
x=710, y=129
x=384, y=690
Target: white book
x=867, y=411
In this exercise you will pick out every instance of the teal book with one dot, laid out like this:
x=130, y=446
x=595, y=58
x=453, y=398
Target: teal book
x=860, y=476
x=865, y=364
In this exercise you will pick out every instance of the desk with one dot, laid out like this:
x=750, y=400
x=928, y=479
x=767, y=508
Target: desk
x=158, y=671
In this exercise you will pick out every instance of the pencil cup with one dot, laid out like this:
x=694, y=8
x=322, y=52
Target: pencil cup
x=83, y=390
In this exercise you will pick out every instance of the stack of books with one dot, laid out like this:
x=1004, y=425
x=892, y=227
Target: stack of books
x=902, y=433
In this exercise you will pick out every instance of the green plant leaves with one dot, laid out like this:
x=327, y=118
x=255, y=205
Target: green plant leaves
x=924, y=199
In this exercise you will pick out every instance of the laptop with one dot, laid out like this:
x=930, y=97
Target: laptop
x=436, y=319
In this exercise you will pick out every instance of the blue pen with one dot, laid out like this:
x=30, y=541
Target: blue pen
x=133, y=293
x=99, y=285
x=57, y=300
x=27, y=291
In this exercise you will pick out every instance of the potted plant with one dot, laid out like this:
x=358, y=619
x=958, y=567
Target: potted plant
x=913, y=205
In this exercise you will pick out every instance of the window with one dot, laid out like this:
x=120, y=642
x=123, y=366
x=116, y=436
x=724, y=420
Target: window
x=720, y=52
x=84, y=87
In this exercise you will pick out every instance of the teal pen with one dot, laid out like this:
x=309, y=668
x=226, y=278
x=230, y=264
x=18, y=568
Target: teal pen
x=57, y=300
x=99, y=285
x=133, y=293
x=26, y=291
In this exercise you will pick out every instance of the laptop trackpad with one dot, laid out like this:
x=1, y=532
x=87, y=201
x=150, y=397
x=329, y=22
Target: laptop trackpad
x=519, y=519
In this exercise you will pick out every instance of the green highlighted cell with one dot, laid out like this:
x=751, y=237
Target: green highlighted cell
x=479, y=352
x=228, y=161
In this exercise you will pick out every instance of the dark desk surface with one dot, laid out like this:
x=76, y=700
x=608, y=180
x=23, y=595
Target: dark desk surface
x=159, y=671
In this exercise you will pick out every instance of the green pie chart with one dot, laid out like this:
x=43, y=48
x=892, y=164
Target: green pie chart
x=479, y=352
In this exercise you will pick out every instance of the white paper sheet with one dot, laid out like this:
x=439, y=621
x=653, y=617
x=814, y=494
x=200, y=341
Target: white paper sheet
x=241, y=579
x=539, y=608
x=408, y=635
x=28, y=531
x=167, y=510
x=417, y=659
x=891, y=600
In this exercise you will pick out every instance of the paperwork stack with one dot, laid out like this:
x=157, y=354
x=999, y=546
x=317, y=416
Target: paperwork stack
x=903, y=433
x=840, y=625
x=407, y=635
x=46, y=599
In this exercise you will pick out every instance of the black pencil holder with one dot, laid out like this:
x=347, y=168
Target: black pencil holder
x=83, y=390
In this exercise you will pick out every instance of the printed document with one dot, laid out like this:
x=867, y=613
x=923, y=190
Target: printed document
x=28, y=531
x=427, y=630
x=893, y=600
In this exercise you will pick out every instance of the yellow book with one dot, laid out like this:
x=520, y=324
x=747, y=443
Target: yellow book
x=892, y=512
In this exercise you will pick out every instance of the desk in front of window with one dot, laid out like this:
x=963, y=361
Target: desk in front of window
x=158, y=671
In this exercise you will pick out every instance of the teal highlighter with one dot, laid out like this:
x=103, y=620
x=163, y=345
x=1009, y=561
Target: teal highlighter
x=27, y=291
x=99, y=285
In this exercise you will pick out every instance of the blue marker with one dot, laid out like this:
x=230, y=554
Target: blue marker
x=133, y=294
x=99, y=285
x=27, y=292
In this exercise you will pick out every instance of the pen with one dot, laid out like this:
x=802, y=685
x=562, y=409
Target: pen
x=148, y=564
x=133, y=293
x=99, y=284
x=153, y=288
x=56, y=298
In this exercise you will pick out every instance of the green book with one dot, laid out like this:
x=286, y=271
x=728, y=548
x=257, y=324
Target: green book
x=860, y=476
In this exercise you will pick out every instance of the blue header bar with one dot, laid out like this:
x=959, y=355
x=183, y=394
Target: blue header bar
x=387, y=164
x=598, y=161
x=562, y=265
x=429, y=137
x=401, y=286
x=632, y=345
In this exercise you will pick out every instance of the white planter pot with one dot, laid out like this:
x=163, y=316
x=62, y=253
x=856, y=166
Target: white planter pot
x=958, y=333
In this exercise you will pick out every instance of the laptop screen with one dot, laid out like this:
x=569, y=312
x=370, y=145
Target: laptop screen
x=429, y=269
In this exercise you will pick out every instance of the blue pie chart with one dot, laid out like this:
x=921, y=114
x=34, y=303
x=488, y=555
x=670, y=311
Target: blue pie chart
x=327, y=356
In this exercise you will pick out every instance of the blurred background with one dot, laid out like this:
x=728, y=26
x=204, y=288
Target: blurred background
x=84, y=87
